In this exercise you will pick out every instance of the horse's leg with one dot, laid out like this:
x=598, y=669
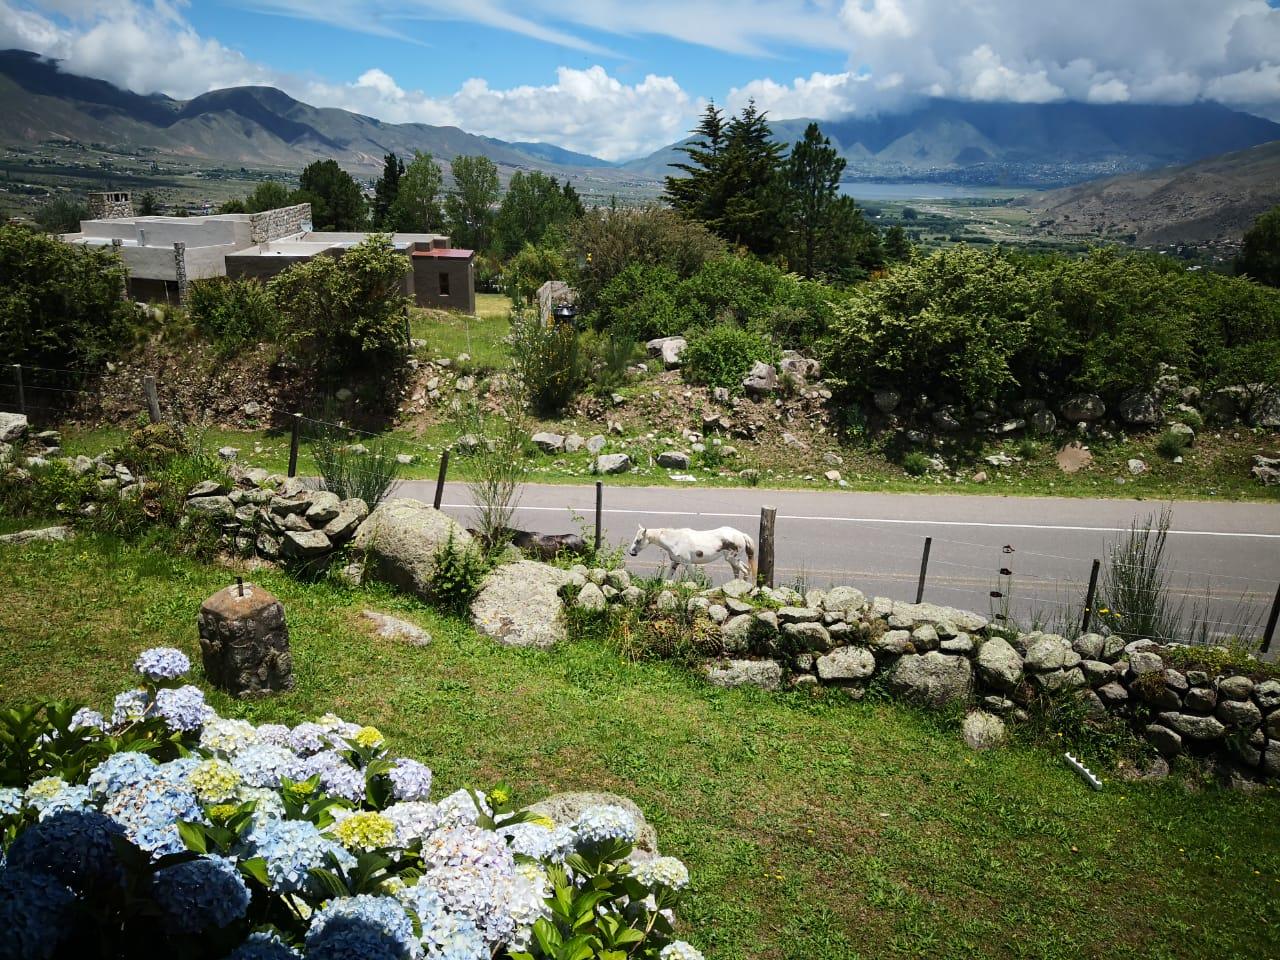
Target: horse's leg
x=739, y=568
x=675, y=567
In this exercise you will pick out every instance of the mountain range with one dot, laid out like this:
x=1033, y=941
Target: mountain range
x=253, y=126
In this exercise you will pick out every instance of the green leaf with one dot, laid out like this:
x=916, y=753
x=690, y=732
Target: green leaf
x=255, y=867
x=329, y=882
x=193, y=836
x=547, y=935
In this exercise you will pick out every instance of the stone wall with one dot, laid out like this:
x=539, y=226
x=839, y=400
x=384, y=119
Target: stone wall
x=110, y=205
x=943, y=657
x=283, y=222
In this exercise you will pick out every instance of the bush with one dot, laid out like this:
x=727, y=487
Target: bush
x=61, y=215
x=740, y=290
x=1171, y=445
x=232, y=314
x=915, y=463
x=640, y=304
x=350, y=472
x=547, y=362
x=162, y=829
x=60, y=304
x=607, y=358
x=457, y=575
x=498, y=469
x=346, y=312
x=722, y=355
x=531, y=268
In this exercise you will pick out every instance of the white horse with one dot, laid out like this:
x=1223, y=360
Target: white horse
x=685, y=546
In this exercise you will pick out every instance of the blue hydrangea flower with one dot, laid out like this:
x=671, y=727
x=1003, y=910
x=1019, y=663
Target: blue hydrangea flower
x=276, y=734
x=86, y=719
x=291, y=848
x=337, y=777
x=267, y=804
x=74, y=847
x=263, y=946
x=454, y=938
x=473, y=871
x=598, y=825
x=264, y=764
x=122, y=770
x=459, y=809
x=162, y=663
x=376, y=926
x=150, y=811
x=308, y=738
x=547, y=844
x=679, y=950
x=10, y=801
x=176, y=771
x=410, y=780
x=183, y=710
x=129, y=707
x=52, y=795
x=200, y=894
x=34, y=913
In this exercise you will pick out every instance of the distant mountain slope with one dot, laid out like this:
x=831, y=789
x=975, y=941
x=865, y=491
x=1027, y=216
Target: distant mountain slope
x=1214, y=199
x=1030, y=143
x=242, y=125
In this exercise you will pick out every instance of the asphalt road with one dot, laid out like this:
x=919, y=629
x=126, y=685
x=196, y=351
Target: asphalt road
x=1224, y=558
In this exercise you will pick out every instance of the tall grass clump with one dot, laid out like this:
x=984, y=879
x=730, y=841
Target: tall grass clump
x=1135, y=592
x=498, y=467
x=352, y=472
x=546, y=361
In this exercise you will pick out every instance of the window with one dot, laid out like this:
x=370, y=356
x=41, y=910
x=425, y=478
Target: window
x=444, y=284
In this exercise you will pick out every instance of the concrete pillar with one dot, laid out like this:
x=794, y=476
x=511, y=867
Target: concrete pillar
x=180, y=269
x=244, y=642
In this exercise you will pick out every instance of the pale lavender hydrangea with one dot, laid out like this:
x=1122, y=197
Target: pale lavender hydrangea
x=183, y=710
x=337, y=777
x=308, y=738
x=667, y=871
x=458, y=809
x=267, y=804
x=276, y=734
x=160, y=664
x=291, y=848
x=413, y=820
x=129, y=707
x=86, y=719
x=548, y=844
x=150, y=811
x=53, y=795
x=121, y=770
x=473, y=871
x=264, y=764
x=10, y=801
x=454, y=938
x=410, y=780
x=603, y=824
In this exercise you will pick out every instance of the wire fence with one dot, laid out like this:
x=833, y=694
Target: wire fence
x=1012, y=583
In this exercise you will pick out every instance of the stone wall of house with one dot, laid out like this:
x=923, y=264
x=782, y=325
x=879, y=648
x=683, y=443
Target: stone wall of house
x=942, y=657
x=274, y=224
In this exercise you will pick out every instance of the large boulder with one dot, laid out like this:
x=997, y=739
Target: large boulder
x=519, y=604
x=847, y=663
x=612, y=463
x=999, y=665
x=766, y=674
x=564, y=808
x=400, y=540
x=13, y=427
x=932, y=613
x=983, y=731
x=1083, y=408
x=762, y=378
x=1139, y=410
x=932, y=678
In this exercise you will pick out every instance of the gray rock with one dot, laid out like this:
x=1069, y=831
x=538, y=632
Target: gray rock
x=960, y=643
x=305, y=544
x=1139, y=410
x=933, y=678
x=285, y=506
x=1043, y=422
x=574, y=442
x=998, y=705
x=595, y=443
x=717, y=613
x=1055, y=681
x=673, y=460
x=1166, y=741
x=1175, y=681
x=844, y=600
x=799, y=615
x=244, y=642
x=1051, y=652
x=548, y=442
x=351, y=513
x=323, y=507
x=206, y=488
x=933, y=613
x=1243, y=714
x=1143, y=662
x=892, y=642
x=808, y=636
x=1235, y=688
x=216, y=507
x=228, y=453
x=1271, y=759
x=1113, y=694
x=735, y=633
x=886, y=401
x=519, y=604
x=400, y=540
x=1136, y=467
x=393, y=628
x=762, y=378
x=999, y=665
x=847, y=663
x=618, y=578
x=982, y=730
x=1201, y=699
x=590, y=597
x=1267, y=694
x=42, y=534
x=1097, y=672
x=612, y=463
x=671, y=351
x=1187, y=433
x=1083, y=408
x=1089, y=646
x=13, y=427
x=766, y=674
x=563, y=809
x=1094, y=708
x=924, y=637
x=1194, y=727
x=945, y=420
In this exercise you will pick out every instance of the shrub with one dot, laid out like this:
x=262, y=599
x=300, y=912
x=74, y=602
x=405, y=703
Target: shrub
x=498, y=469
x=915, y=463
x=351, y=472
x=802, y=313
x=740, y=290
x=1171, y=445
x=722, y=355
x=458, y=572
x=639, y=303
x=346, y=312
x=162, y=829
x=531, y=268
x=61, y=215
x=1135, y=600
x=546, y=361
x=232, y=314
x=60, y=304
x=607, y=358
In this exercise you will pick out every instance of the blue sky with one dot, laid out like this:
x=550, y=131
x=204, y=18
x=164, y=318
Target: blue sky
x=620, y=78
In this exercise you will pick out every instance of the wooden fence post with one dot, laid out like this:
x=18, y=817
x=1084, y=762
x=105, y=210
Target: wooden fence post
x=295, y=437
x=153, y=400
x=22, y=393
x=444, y=469
x=768, y=521
x=1088, y=600
x=599, y=510
x=924, y=568
x=1271, y=623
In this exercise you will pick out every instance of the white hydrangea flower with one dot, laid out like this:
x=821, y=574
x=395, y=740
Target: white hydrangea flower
x=227, y=737
x=679, y=950
x=667, y=871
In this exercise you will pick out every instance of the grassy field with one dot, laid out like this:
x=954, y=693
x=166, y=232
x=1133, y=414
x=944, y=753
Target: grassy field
x=816, y=829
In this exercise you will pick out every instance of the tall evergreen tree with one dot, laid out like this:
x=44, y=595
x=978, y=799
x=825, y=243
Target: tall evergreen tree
x=813, y=184
x=387, y=189
x=693, y=194
x=469, y=207
x=417, y=204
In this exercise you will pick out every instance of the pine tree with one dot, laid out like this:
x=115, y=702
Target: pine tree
x=387, y=188
x=813, y=183
x=694, y=194
x=750, y=181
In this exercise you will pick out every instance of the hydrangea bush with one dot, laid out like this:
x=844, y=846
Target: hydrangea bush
x=162, y=829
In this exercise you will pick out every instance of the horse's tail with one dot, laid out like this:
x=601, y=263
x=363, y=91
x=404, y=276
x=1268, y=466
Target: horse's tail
x=751, y=555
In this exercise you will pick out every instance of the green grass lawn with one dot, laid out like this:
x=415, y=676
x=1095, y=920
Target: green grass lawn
x=815, y=829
